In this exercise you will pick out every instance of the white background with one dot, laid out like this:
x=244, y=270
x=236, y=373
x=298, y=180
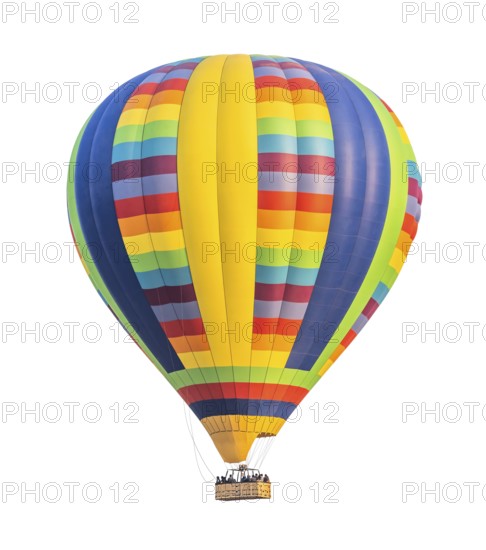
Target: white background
x=370, y=452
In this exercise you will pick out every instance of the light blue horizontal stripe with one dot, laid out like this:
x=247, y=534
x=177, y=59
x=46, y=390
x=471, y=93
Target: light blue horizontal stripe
x=303, y=276
x=150, y=279
x=414, y=172
x=272, y=275
x=129, y=150
x=169, y=277
x=177, y=276
x=277, y=143
x=315, y=146
x=192, y=60
x=380, y=293
x=159, y=146
x=259, y=57
x=280, y=274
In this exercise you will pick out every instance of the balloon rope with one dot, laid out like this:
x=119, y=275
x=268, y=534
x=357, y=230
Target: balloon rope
x=196, y=449
x=269, y=445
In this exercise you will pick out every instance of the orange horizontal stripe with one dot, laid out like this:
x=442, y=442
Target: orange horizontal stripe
x=165, y=221
x=312, y=221
x=291, y=84
x=276, y=219
x=290, y=94
x=136, y=225
x=395, y=118
x=275, y=342
x=337, y=352
x=157, y=223
x=284, y=327
x=289, y=219
x=138, y=102
x=273, y=95
x=185, y=344
x=404, y=242
x=168, y=96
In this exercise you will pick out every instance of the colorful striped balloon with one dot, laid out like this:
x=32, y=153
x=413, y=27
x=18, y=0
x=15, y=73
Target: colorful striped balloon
x=244, y=217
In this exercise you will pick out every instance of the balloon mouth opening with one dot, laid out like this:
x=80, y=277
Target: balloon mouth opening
x=242, y=448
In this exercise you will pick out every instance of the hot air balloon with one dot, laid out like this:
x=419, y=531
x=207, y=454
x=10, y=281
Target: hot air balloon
x=245, y=216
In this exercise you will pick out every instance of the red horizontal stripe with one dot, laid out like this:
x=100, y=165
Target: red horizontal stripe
x=302, y=83
x=270, y=81
x=242, y=390
x=165, y=202
x=173, y=84
x=150, y=204
x=413, y=230
x=350, y=336
x=183, y=327
x=410, y=225
x=126, y=208
x=277, y=200
x=273, y=81
x=145, y=89
x=283, y=327
x=386, y=105
x=311, y=202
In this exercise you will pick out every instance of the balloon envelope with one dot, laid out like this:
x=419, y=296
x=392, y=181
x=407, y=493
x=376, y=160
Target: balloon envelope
x=243, y=217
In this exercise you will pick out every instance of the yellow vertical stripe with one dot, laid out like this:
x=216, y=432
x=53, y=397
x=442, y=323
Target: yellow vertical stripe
x=237, y=160
x=198, y=196
x=282, y=235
